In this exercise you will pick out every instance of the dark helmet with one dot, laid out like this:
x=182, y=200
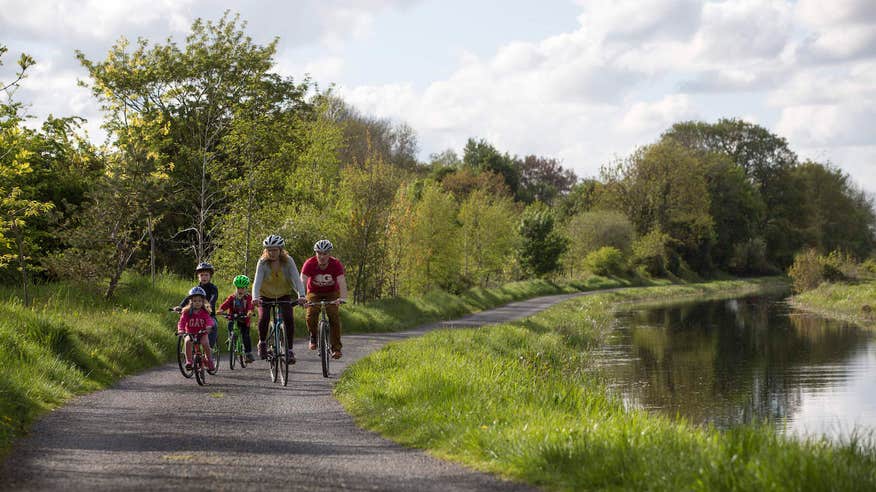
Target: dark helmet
x=204, y=267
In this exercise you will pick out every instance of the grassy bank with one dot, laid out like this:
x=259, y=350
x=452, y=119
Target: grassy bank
x=71, y=341
x=515, y=399
x=851, y=302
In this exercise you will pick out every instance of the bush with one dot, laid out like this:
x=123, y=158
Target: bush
x=811, y=269
x=750, y=257
x=607, y=260
x=652, y=252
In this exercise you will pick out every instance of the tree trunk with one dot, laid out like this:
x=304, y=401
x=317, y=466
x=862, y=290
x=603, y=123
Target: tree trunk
x=151, y=249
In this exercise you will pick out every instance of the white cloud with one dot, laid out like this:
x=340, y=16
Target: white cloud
x=659, y=115
x=840, y=29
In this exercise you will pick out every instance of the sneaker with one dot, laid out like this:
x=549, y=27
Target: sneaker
x=336, y=354
x=290, y=356
x=248, y=357
x=263, y=350
x=210, y=365
x=312, y=345
x=188, y=366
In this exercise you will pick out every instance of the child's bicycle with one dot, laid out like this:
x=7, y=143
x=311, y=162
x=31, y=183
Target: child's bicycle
x=181, y=354
x=199, y=358
x=322, y=342
x=234, y=342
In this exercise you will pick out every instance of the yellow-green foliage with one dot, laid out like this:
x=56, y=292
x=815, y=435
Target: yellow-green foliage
x=852, y=302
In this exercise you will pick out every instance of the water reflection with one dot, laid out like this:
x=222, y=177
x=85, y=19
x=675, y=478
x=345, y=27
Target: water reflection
x=745, y=360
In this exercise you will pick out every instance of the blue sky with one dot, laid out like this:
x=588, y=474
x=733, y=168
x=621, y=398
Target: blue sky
x=582, y=81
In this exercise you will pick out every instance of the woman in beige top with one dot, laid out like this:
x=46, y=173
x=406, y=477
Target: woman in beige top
x=275, y=278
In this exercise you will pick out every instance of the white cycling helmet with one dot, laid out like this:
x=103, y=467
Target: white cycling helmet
x=322, y=246
x=273, y=241
x=198, y=291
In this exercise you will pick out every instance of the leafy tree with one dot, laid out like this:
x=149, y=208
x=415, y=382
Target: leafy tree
x=543, y=179
x=367, y=193
x=463, y=182
x=482, y=156
x=427, y=227
x=590, y=231
x=581, y=197
x=488, y=236
x=541, y=245
x=663, y=186
x=197, y=91
x=19, y=203
x=841, y=215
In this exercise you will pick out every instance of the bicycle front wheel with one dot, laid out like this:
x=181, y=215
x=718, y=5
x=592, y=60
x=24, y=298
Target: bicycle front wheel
x=181, y=357
x=273, y=354
x=232, y=343
x=200, y=375
x=283, y=359
x=324, y=352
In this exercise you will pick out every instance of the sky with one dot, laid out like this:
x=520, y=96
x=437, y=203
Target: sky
x=586, y=82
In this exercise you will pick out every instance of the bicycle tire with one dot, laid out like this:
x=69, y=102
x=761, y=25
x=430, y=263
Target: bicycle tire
x=198, y=366
x=232, y=345
x=324, y=352
x=217, y=356
x=283, y=359
x=273, y=359
x=181, y=357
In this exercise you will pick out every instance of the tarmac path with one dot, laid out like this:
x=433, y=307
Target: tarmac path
x=158, y=431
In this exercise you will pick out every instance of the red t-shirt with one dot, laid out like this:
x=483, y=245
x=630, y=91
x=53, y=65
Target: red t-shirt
x=320, y=280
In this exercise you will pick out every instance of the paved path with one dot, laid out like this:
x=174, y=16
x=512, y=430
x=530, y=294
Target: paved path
x=158, y=431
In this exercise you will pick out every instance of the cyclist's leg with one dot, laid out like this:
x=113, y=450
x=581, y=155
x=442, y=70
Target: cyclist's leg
x=312, y=316
x=188, y=351
x=334, y=317
x=244, y=334
x=214, y=334
x=263, y=327
x=205, y=346
x=288, y=320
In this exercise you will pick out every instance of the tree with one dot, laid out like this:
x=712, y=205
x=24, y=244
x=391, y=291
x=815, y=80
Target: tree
x=590, y=231
x=481, y=156
x=18, y=203
x=841, y=215
x=197, y=91
x=487, y=236
x=367, y=193
x=543, y=179
x=540, y=244
x=663, y=187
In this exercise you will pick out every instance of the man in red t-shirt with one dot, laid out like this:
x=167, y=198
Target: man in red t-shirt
x=324, y=280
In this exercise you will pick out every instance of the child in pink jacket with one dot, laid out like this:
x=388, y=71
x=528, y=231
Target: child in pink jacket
x=196, y=317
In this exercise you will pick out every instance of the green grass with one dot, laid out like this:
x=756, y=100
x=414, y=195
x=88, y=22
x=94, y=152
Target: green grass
x=516, y=399
x=842, y=301
x=71, y=341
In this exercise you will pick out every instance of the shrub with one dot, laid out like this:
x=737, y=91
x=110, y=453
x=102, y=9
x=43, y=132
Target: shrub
x=750, y=257
x=652, y=252
x=806, y=272
x=839, y=267
x=607, y=260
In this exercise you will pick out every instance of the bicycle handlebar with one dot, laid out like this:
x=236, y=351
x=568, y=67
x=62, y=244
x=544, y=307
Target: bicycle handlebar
x=323, y=303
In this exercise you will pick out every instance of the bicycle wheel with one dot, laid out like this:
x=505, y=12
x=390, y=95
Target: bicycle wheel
x=198, y=365
x=181, y=357
x=323, y=343
x=232, y=344
x=283, y=359
x=273, y=354
x=217, y=356
x=239, y=350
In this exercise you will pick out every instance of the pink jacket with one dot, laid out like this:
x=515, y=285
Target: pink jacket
x=193, y=321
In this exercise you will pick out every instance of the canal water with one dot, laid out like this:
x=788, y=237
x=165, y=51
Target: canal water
x=745, y=360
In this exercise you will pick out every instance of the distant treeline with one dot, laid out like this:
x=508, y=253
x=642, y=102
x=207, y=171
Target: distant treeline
x=208, y=151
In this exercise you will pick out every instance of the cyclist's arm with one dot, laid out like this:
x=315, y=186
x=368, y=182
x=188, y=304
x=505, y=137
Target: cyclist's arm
x=183, y=321
x=295, y=276
x=257, y=281
x=342, y=286
x=304, y=280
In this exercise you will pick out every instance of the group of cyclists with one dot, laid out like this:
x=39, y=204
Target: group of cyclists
x=276, y=278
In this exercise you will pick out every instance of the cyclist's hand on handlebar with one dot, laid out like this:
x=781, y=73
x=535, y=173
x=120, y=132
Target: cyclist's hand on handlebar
x=256, y=302
x=302, y=301
x=340, y=300
x=175, y=309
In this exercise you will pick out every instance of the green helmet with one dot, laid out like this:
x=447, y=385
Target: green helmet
x=241, y=281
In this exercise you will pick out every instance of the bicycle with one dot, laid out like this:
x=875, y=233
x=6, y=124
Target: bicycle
x=322, y=341
x=198, y=366
x=278, y=346
x=234, y=342
x=181, y=354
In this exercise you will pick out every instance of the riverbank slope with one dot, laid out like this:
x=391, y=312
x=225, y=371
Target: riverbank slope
x=855, y=303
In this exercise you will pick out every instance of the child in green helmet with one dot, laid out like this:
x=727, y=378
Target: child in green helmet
x=240, y=303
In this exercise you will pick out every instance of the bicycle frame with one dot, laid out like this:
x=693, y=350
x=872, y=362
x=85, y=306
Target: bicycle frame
x=278, y=362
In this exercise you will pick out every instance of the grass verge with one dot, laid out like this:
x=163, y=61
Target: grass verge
x=850, y=302
x=516, y=399
x=71, y=341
